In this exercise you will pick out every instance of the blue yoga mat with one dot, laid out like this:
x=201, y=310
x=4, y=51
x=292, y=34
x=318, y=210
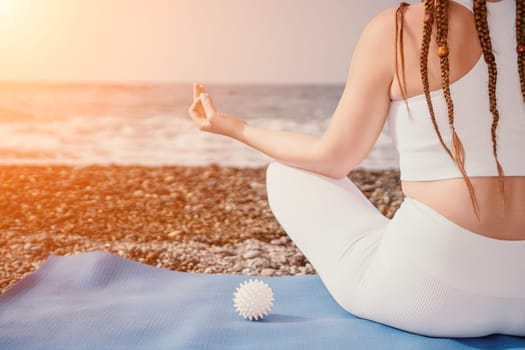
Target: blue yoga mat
x=101, y=301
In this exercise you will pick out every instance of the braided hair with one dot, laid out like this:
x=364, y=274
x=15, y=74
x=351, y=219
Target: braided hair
x=520, y=38
x=436, y=11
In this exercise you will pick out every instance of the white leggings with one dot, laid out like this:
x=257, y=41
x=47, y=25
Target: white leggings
x=419, y=271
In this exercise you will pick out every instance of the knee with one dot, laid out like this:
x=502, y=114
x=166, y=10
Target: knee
x=274, y=174
x=274, y=167
x=280, y=176
x=280, y=181
x=270, y=170
x=272, y=179
x=280, y=171
x=290, y=180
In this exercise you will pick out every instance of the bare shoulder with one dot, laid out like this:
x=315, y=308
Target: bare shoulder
x=375, y=48
x=375, y=45
x=384, y=23
x=381, y=26
x=378, y=35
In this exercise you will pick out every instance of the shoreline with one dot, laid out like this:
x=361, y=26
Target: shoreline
x=211, y=218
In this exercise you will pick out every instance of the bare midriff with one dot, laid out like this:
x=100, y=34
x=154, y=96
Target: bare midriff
x=451, y=199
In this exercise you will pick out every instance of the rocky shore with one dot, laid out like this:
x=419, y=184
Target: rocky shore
x=209, y=219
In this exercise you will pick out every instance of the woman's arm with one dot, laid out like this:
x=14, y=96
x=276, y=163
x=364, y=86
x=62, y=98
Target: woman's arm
x=354, y=126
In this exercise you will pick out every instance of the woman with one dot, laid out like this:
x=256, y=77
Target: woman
x=451, y=262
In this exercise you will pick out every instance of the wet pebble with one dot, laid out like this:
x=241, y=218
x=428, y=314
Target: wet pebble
x=267, y=272
x=251, y=254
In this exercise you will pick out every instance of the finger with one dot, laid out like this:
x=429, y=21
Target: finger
x=197, y=116
x=207, y=103
x=196, y=90
x=193, y=110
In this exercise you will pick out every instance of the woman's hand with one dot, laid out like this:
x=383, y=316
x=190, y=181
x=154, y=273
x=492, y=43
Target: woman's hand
x=287, y=147
x=354, y=127
x=207, y=118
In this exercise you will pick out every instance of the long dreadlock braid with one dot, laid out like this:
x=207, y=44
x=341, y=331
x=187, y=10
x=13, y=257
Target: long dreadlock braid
x=438, y=10
x=480, y=17
x=399, y=36
x=520, y=38
x=423, y=64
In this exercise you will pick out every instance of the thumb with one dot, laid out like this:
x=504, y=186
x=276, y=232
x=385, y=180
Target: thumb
x=207, y=103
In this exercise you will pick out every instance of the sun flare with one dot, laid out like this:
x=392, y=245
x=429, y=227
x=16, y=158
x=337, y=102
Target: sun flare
x=5, y=5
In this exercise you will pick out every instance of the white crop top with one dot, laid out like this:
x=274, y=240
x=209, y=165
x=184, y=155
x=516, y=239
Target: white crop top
x=421, y=155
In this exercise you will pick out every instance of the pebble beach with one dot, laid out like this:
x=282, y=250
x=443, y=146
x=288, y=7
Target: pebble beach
x=210, y=219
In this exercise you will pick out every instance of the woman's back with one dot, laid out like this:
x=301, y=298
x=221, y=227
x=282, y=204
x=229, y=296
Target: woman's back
x=446, y=193
x=418, y=271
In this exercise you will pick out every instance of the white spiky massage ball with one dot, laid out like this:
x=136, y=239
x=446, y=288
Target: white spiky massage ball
x=253, y=299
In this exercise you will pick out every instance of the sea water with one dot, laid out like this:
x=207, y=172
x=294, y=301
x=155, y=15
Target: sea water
x=82, y=124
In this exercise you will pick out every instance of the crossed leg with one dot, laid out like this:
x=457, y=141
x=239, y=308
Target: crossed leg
x=331, y=222
x=385, y=270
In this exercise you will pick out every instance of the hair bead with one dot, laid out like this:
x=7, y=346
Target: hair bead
x=443, y=51
x=489, y=58
x=520, y=48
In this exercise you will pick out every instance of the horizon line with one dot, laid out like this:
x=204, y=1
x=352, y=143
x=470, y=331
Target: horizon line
x=161, y=82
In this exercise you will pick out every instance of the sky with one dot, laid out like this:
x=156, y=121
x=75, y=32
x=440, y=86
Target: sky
x=170, y=41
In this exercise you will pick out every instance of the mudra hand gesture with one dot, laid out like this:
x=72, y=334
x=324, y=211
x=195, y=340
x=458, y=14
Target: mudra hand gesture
x=207, y=118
